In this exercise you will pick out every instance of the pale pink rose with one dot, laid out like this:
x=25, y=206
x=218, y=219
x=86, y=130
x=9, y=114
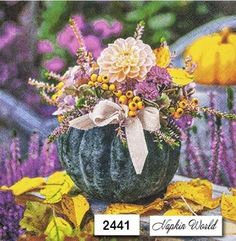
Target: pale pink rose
x=126, y=58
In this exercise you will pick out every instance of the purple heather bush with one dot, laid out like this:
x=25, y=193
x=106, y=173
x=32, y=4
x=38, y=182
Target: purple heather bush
x=42, y=160
x=215, y=162
x=10, y=216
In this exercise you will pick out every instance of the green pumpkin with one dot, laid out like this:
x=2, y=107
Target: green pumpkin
x=100, y=165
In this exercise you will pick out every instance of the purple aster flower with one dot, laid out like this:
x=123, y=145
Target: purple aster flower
x=44, y=46
x=159, y=75
x=147, y=90
x=55, y=64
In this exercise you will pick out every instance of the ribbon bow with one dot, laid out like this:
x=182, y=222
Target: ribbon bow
x=107, y=112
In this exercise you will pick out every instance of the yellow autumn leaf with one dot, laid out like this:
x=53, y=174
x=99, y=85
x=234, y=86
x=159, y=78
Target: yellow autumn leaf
x=75, y=208
x=196, y=190
x=186, y=205
x=58, y=229
x=57, y=185
x=36, y=217
x=180, y=76
x=121, y=208
x=228, y=207
x=177, y=212
x=233, y=190
x=163, y=56
x=26, y=184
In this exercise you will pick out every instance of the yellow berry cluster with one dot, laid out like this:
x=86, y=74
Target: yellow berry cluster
x=101, y=80
x=134, y=102
x=182, y=106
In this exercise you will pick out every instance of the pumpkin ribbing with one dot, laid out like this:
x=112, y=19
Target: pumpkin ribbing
x=101, y=167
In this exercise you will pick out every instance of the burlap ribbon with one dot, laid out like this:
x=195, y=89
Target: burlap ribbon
x=107, y=112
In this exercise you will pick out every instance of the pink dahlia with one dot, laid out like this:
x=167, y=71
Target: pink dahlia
x=126, y=58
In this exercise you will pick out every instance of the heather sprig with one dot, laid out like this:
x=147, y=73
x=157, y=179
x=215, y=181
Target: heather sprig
x=139, y=30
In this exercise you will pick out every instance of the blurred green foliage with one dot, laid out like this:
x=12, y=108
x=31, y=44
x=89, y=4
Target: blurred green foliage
x=169, y=19
x=163, y=19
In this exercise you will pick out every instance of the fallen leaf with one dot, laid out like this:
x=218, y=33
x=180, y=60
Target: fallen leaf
x=28, y=237
x=57, y=185
x=163, y=56
x=233, y=190
x=228, y=207
x=119, y=208
x=36, y=217
x=177, y=212
x=87, y=232
x=198, y=191
x=75, y=208
x=229, y=228
x=26, y=184
x=180, y=76
x=58, y=229
x=189, y=206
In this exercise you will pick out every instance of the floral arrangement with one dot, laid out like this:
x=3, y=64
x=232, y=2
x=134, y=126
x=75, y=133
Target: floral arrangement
x=130, y=85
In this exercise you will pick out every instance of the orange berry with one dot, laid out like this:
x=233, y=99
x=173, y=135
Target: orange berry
x=140, y=105
x=91, y=83
x=132, y=113
x=123, y=100
x=105, y=79
x=129, y=94
x=183, y=104
x=179, y=112
x=136, y=99
x=195, y=101
x=118, y=93
x=112, y=87
x=133, y=106
x=99, y=79
x=105, y=86
x=93, y=77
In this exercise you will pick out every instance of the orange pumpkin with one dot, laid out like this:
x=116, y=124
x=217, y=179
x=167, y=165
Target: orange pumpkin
x=215, y=56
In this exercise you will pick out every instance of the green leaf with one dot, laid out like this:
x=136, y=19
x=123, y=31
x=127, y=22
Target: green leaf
x=58, y=229
x=162, y=21
x=230, y=98
x=80, y=102
x=159, y=36
x=202, y=9
x=36, y=217
x=144, y=12
x=194, y=129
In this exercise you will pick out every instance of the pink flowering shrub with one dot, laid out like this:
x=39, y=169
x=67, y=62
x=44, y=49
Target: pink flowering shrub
x=94, y=34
